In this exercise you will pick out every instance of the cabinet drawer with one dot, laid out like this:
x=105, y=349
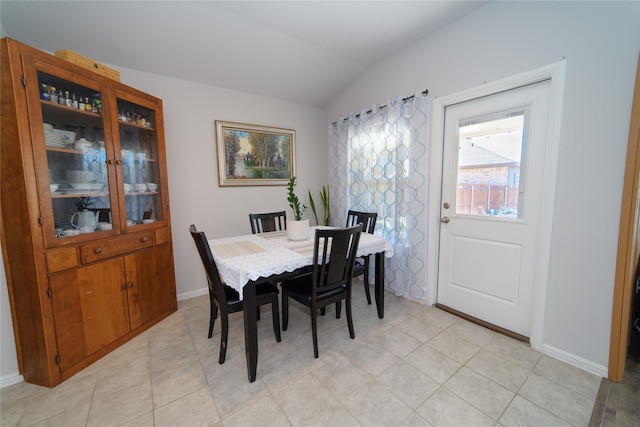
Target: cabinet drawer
x=96, y=251
x=61, y=259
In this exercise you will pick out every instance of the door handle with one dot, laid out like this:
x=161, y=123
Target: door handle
x=445, y=219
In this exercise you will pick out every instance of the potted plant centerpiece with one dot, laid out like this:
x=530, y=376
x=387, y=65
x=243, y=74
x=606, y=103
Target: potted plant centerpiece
x=298, y=228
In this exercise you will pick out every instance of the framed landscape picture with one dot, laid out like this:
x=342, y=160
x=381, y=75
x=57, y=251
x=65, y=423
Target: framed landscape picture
x=254, y=155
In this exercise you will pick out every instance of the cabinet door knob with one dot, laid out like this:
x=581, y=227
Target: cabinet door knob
x=130, y=284
x=144, y=239
x=118, y=162
x=109, y=162
x=98, y=250
x=124, y=287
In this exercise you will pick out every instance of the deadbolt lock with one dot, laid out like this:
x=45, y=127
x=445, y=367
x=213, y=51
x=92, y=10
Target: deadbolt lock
x=445, y=205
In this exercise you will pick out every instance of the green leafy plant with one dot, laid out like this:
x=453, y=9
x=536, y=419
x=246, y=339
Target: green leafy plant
x=83, y=203
x=297, y=209
x=324, y=197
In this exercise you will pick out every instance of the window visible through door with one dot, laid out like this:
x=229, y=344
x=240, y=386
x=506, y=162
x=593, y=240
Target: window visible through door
x=489, y=165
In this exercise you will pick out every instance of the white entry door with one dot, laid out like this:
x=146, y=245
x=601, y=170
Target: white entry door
x=493, y=170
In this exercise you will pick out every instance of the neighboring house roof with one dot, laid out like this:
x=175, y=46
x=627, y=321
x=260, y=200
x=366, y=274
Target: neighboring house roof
x=472, y=155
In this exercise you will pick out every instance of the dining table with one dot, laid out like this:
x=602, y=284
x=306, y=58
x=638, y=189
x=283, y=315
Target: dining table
x=246, y=261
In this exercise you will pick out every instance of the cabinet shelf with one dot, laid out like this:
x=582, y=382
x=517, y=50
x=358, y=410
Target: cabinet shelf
x=64, y=194
x=135, y=126
x=62, y=114
x=141, y=193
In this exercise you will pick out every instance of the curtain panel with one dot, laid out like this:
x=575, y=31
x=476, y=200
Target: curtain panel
x=378, y=162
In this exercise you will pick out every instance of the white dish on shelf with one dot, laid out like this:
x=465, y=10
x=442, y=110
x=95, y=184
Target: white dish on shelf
x=152, y=186
x=83, y=144
x=78, y=176
x=105, y=226
x=47, y=127
x=53, y=187
x=87, y=185
x=148, y=221
x=140, y=187
x=68, y=136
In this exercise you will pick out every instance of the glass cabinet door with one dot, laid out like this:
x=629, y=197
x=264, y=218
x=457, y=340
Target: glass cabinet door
x=141, y=177
x=76, y=160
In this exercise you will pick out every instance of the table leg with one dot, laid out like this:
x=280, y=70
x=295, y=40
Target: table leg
x=250, y=329
x=379, y=281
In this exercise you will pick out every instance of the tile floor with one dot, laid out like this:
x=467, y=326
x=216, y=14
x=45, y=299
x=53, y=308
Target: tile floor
x=419, y=366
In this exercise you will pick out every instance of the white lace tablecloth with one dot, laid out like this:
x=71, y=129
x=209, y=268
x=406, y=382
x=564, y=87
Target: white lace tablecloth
x=244, y=258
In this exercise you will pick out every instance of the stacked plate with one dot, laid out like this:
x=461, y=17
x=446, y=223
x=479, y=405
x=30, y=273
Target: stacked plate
x=54, y=140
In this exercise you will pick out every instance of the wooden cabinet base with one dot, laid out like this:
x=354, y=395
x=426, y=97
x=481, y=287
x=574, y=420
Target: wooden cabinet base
x=72, y=370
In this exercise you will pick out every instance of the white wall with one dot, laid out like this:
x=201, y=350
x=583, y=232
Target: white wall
x=190, y=110
x=189, y=113
x=600, y=42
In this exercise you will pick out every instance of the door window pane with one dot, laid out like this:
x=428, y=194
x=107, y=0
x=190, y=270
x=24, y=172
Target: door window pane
x=489, y=155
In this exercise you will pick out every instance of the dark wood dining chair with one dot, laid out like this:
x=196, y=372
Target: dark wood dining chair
x=226, y=299
x=330, y=281
x=266, y=222
x=361, y=267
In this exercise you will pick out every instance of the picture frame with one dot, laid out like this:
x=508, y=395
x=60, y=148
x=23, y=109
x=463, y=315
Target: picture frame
x=250, y=155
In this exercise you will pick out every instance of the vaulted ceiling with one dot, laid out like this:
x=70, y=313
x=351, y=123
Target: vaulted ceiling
x=300, y=51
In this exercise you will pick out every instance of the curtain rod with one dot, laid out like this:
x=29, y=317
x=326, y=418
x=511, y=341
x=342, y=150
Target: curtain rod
x=424, y=93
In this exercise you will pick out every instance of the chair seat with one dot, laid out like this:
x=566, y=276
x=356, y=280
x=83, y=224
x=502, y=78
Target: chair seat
x=301, y=289
x=358, y=268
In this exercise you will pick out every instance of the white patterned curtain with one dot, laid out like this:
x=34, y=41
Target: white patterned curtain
x=378, y=163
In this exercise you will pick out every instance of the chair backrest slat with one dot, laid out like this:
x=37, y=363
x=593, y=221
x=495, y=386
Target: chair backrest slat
x=266, y=222
x=216, y=286
x=367, y=219
x=335, y=260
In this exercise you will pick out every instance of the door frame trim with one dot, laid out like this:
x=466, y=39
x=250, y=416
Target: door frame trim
x=556, y=74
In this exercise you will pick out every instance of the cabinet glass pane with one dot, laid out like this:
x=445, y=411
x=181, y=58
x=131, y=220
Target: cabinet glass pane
x=140, y=168
x=76, y=159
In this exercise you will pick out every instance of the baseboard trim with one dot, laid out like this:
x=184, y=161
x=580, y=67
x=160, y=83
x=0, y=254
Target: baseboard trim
x=193, y=294
x=576, y=361
x=12, y=379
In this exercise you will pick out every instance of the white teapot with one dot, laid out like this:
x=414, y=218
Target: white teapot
x=86, y=221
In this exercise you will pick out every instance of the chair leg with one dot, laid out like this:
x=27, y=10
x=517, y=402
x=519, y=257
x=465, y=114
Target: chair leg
x=285, y=310
x=223, y=339
x=258, y=312
x=323, y=310
x=352, y=334
x=275, y=312
x=366, y=281
x=212, y=317
x=314, y=332
x=338, y=309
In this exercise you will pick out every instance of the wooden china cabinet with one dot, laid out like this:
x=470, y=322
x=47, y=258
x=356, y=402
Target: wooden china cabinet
x=86, y=235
